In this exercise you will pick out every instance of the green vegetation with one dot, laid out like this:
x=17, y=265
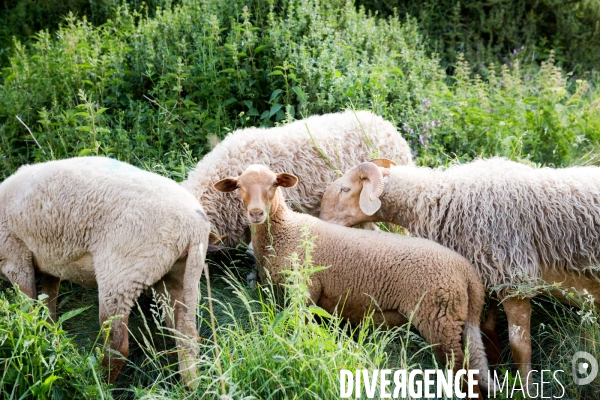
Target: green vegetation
x=38, y=359
x=157, y=87
x=145, y=90
x=491, y=30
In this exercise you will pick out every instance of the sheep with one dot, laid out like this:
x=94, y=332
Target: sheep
x=395, y=271
x=343, y=137
x=517, y=224
x=105, y=224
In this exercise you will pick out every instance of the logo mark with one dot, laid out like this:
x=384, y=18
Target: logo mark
x=589, y=368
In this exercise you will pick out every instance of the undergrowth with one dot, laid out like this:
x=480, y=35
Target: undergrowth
x=153, y=91
x=38, y=358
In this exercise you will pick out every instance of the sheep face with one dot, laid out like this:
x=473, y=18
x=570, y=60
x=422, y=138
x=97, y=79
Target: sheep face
x=354, y=198
x=257, y=187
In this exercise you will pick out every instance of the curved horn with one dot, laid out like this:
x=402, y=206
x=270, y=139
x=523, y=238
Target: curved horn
x=383, y=162
x=371, y=172
x=369, y=201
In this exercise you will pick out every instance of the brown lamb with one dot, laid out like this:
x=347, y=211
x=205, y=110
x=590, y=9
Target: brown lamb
x=400, y=274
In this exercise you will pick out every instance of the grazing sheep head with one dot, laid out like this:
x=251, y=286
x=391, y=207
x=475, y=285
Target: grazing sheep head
x=257, y=185
x=354, y=198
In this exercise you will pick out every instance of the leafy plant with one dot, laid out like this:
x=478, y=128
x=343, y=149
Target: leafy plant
x=38, y=359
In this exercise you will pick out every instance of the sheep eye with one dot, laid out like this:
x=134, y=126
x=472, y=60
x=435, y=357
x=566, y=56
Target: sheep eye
x=345, y=189
x=275, y=184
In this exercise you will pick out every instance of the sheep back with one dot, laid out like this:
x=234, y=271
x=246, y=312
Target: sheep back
x=510, y=219
x=72, y=213
x=346, y=138
x=397, y=272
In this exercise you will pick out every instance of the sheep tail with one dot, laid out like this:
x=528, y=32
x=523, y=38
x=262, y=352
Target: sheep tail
x=472, y=332
x=187, y=325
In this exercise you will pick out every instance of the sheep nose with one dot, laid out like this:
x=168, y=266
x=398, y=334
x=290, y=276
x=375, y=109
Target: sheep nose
x=256, y=214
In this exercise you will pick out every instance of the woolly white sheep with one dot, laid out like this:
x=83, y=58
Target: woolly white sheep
x=104, y=224
x=345, y=138
x=516, y=223
x=395, y=271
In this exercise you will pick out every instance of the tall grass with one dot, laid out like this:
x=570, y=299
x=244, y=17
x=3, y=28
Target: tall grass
x=521, y=114
x=38, y=359
x=275, y=345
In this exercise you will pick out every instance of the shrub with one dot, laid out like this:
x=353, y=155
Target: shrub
x=38, y=359
x=516, y=114
x=138, y=89
x=160, y=91
x=494, y=30
x=24, y=18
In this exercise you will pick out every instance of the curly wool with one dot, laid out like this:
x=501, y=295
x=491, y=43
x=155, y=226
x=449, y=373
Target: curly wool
x=508, y=218
x=346, y=138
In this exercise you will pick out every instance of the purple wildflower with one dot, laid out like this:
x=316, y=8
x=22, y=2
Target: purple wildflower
x=433, y=124
x=421, y=140
x=522, y=47
x=527, y=77
x=414, y=153
x=511, y=64
x=426, y=102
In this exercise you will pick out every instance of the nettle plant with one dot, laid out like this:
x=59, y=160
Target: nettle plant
x=139, y=88
x=534, y=114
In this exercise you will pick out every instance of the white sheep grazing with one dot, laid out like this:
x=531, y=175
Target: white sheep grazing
x=401, y=274
x=517, y=224
x=104, y=224
x=346, y=138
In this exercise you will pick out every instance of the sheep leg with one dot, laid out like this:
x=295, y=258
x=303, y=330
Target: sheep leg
x=118, y=340
x=169, y=288
x=50, y=288
x=518, y=313
x=448, y=334
x=185, y=320
x=181, y=285
x=491, y=340
x=117, y=306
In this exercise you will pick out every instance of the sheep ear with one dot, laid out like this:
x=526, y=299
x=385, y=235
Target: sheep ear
x=383, y=162
x=368, y=206
x=286, y=180
x=226, y=185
